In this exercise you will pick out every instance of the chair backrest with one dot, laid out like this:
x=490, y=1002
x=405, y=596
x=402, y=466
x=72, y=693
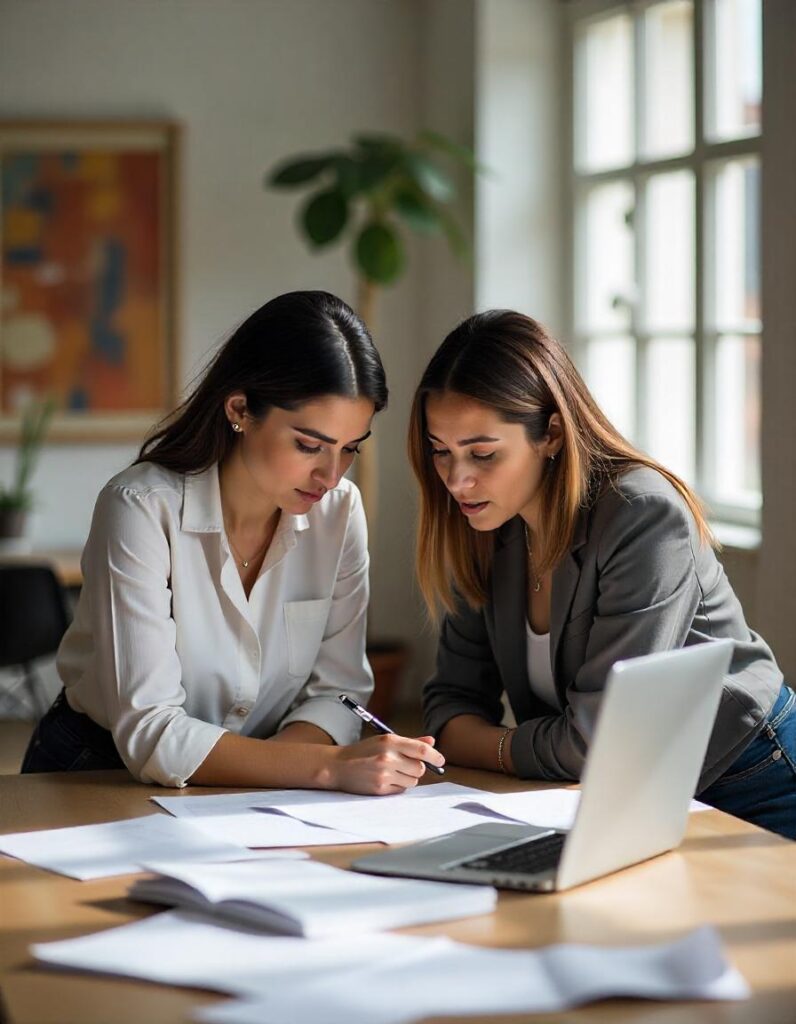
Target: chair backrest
x=34, y=613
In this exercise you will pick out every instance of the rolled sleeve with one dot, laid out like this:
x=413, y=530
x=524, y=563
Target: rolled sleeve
x=127, y=569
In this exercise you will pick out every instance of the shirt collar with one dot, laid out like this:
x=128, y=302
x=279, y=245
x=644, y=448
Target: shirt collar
x=201, y=506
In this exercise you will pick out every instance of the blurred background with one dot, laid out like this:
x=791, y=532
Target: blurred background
x=633, y=189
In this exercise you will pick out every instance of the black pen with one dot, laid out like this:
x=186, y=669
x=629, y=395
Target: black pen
x=377, y=724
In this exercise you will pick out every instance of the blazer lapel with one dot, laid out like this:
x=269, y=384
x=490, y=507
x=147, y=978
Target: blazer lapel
x=565, y=582
x=509, y=601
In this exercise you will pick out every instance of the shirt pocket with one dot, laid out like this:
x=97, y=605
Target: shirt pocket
x=305, y=622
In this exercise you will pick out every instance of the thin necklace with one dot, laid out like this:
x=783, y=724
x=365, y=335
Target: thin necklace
x=245, y=561
x=536, y=581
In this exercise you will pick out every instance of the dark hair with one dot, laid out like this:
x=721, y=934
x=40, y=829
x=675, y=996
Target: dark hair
x=510, y=363
x=297, y=347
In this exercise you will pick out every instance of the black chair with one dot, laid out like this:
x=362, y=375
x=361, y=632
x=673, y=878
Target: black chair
x=34, y=615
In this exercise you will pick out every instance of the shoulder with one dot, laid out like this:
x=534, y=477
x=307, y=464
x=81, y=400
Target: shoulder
x=144, y=485
x=641, y=503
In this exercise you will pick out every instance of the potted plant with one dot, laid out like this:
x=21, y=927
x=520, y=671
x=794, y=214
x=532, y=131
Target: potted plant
x=367, y=195
x=16, y=500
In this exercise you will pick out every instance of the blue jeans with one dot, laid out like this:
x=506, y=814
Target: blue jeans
x=760, y=786
x=68, y=741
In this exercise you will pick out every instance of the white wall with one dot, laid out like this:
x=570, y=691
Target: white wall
x=251, y=81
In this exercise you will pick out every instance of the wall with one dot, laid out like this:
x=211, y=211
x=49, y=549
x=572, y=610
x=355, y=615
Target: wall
x=251, y=81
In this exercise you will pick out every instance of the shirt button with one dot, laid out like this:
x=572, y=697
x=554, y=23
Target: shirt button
x=243, y=712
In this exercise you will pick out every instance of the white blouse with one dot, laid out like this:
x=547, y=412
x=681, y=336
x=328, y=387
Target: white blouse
x=540, y=672
x=168, y=653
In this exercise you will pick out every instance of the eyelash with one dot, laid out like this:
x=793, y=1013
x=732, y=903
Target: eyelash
x=438, y=453
x=314, y=451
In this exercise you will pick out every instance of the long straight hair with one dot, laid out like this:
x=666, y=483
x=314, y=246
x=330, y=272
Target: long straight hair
x=297, y=347
x=509, y=362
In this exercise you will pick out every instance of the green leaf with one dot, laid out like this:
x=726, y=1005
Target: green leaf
x=462, y=154
x=457, y=240
x=379, y=142
x=298, y=172
x=349, y=177
x=379, y=253
x=325, y=216
x=430, y=178
x=418, y=213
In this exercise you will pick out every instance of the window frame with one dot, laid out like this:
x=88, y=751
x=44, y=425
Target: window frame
x=702, y=162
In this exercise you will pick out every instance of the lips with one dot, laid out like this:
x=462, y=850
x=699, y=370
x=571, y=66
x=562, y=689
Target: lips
x=472, y=508
x=310, y=495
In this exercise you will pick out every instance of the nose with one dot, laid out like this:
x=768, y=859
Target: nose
x=459, y=479
x=328, y=473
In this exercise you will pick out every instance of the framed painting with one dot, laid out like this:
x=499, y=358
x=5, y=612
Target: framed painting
x=87, y=276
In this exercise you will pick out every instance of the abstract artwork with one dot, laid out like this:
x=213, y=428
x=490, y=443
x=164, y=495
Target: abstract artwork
x=87, y=275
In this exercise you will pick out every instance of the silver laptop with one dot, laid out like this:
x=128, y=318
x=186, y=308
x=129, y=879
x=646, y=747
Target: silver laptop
x=644, y=761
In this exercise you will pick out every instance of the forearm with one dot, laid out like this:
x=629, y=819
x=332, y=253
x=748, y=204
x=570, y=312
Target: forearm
x=472, y=742
x=303, y=732
x=281, y=762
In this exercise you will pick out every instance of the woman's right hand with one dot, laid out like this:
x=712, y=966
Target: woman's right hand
x=381, y=765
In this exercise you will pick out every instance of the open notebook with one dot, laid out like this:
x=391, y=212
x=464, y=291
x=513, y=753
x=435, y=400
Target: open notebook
x=308, y=898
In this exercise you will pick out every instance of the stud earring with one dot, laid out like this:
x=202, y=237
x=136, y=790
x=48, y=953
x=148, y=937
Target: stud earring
x=237, y=427
x=552, y=458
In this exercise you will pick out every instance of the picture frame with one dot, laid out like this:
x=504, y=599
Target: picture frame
x=88, y=276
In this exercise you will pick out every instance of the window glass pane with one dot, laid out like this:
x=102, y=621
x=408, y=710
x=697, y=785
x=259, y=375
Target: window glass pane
x=734, y=69
x=611, y=376
x=734, y=244
x=737, y=421
x=669, y=252
x=608, y=275
x=670, y=406
x=668, y=126
x=604, y=67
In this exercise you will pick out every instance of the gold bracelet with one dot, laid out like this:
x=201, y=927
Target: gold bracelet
x=501, y=741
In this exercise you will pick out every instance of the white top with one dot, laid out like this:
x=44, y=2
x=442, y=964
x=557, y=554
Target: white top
x=540, y=672
x=168, y=653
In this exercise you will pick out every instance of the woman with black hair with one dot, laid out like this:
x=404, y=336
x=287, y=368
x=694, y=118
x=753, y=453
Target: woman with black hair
x=226, y=579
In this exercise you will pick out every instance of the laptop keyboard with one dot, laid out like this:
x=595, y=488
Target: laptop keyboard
x=524, y=859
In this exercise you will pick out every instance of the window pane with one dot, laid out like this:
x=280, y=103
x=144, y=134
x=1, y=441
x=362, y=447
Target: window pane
x=604, y=121
x=668, y=127
x=669, y=252
x=611, y=376
x=608, y=276
x=734, y=69
x=737, y=421
x=734, y=244
x=670, y=407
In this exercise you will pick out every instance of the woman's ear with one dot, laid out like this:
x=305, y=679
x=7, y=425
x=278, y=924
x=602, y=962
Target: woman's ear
x=235, y=407
x=555, y=435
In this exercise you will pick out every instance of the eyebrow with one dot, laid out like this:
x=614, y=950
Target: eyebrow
x=481, y=439
x=329, y=440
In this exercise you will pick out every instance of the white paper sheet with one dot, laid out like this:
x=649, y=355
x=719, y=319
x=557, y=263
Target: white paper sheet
x=309, y=898
x=457, y=979
x=231, y=816
x=420, y=813
x=549, y=808
x=180, y=948
x=118, y=847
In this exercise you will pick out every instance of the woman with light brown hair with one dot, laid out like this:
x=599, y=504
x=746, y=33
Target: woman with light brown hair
x=555, y=548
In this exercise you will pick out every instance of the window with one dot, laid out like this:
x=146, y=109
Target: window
x=666, y=199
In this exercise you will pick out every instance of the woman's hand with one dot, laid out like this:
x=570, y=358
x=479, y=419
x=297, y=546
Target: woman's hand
x=381, y=765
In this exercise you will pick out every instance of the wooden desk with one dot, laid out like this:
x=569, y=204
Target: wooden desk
x=727, y=873
x=65, y=563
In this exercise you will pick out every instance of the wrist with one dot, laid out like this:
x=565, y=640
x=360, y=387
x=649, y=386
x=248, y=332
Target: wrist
x=505, y=763
x=325, y=772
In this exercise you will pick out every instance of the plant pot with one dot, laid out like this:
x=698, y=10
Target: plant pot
x=388, y=660
x=12, y=523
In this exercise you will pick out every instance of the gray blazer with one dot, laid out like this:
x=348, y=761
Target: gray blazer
x=635, y=580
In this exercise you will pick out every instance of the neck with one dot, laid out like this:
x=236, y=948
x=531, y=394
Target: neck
x=243, y=504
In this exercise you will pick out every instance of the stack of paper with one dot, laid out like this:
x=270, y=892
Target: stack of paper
x=309, y=898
